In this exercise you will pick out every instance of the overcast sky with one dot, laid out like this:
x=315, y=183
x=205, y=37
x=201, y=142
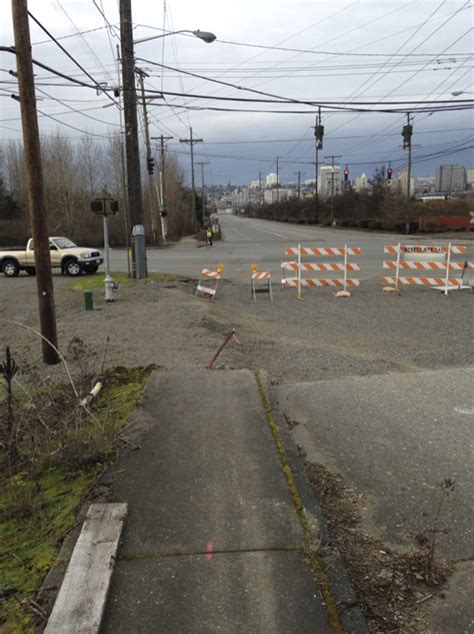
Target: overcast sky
x=345, y=51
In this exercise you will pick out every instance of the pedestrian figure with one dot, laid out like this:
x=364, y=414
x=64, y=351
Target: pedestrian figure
x=209, y=236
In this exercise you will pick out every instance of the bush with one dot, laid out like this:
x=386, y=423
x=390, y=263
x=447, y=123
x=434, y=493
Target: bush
x=374, y=225
x=363, y=223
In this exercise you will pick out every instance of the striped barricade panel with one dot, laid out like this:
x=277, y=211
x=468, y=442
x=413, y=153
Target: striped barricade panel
x=423, y=281
x=320, y=282
x=425, y=266
x=213, y=278
x=257, y=278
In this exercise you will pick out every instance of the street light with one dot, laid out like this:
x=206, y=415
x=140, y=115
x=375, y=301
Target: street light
x=456, y=93
x=205, y=36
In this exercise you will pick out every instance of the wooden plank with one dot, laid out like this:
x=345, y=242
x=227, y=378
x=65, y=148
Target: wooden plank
x=81, y=600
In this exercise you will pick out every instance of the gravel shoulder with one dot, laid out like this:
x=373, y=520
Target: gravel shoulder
x=318, y=338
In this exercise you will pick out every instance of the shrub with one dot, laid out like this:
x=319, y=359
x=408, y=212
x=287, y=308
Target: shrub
x=363, y=223
x=374, y=225
x=352, y=223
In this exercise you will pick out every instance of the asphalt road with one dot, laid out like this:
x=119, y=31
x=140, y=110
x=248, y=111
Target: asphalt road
x=248, y=241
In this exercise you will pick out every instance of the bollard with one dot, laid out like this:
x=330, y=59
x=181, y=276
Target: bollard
x=88, y=300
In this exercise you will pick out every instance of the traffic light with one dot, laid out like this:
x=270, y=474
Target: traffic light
x=319, y=133
x=346, y=174
x=150, y=164
x=389, y=173
x=407, y=134
x=114, y=206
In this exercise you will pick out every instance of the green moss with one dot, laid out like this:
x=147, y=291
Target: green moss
x=37, y=512
x=93, y=282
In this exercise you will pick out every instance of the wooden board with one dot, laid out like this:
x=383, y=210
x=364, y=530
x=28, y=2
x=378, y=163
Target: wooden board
x=81, y=600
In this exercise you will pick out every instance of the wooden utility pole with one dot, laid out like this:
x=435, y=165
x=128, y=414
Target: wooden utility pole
x=163, y=206
x=135, y=202
x=298, y=174
x=278, y=183
x=149, y=158
x=318, y=145
x=203, y=194
x=409, y=146
x=34, y=171
x=191, y=142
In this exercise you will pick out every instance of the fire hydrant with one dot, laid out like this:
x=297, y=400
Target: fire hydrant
x=110, y=287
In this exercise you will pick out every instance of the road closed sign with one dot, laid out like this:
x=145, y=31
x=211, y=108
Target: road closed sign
x=416, y=248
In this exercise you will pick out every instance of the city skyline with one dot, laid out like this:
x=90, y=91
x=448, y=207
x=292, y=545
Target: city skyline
x=340, y=57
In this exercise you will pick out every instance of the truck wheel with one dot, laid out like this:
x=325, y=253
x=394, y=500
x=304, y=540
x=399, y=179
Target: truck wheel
x=30, y=270
x=72, y=268
x=10, y=268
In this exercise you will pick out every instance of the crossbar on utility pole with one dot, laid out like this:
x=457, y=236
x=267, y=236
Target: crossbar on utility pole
x=34, y=174
x=192, y=142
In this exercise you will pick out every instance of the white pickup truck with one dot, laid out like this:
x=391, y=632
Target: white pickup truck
x=66, y=255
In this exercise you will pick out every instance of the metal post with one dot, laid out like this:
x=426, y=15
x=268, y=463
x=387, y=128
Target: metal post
x=106, y=245
x=34, y=172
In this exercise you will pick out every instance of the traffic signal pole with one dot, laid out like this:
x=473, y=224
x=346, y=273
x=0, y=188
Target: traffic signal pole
x=34, y=174
x=407, y=219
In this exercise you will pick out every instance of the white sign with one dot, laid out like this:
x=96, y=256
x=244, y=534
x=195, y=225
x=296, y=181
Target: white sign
x=423, y=249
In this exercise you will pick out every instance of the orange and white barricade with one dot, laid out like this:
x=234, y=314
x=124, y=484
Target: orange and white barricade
x=261, y=277
x=420, y=259
x=300, y=269
x=209, y=282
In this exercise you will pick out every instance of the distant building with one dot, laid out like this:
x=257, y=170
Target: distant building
x=361, y=183
x=402, y=181
x=450, y=178
x=274, y=195
x=330, y=180
x=271, y=180
x=425, y=184
x=255, y=184
x=470, y=179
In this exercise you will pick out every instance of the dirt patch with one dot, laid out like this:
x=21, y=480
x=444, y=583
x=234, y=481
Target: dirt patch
x=391, y=584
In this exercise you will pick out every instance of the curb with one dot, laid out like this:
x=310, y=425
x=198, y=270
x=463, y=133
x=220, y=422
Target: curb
x=340, y=586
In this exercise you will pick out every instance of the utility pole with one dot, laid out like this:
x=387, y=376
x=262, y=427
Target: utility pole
x=34, y=172
x=278, y=183
x=191, y=142
x=318, y=145
x=203, y=195
x=298, y=174
x=135, y=203
x=407, y=134
x=163, y=205
x=333, y=158
x=149, y=159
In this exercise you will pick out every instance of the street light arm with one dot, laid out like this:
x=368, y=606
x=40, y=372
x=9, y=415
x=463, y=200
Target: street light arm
x=205, y=36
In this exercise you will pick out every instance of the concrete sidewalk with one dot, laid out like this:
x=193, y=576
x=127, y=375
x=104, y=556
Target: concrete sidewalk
x=214, y=540
x=395, y=437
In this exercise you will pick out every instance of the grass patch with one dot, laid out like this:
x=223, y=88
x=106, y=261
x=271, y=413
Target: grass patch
x=39, y=506
x=92, y=282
